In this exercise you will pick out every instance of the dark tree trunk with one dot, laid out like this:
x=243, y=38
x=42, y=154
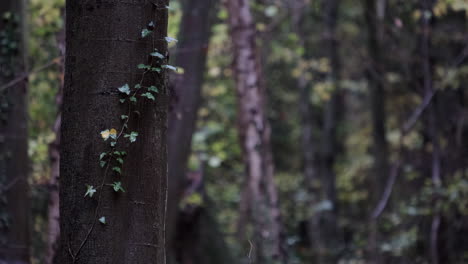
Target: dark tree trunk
x=260, y=198
x=104, y=46
x=433, y=129
x=331, y=120
x=191, y=55
x=14, y=198
x=374, y=15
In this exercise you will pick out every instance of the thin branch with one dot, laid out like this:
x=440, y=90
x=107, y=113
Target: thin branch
x=26, y=75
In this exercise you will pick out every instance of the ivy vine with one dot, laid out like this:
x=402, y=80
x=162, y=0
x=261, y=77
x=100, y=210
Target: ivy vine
x=113, y=159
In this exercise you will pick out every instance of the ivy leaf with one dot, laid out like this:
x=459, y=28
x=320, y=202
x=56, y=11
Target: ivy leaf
x=113, y=143
x=133, y=99
x=143, y=66
x=145, y=32
x=120, y=160
x=137, y=86
x=125, y=89
x=102, y=163
x=169, y=67
x=122, y=101
x=117, y=169
x=106, y=134
x=102, y=220
x=153, y=89
x=117, y=186
x=149, y=96
x=157, y=55
x=170, y=40
x=102, y=155
x=156, y=69
x=132, y=136
x=123, y=117
x=90, y=191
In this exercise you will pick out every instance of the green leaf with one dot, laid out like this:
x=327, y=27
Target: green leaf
x=153, y=89
x=120, y=160
x=132, y=136
x=102, y=163
x=90, y=191
x=102, y=220
x=122, y=101
x=143, y=66
x=125, y=89
x=169, y=67
x=137, y=86
x=156, y=69
x=123, y=117
x=123, y=153
x=102, y=155
x=145, y=32
x=149, y=96
x=157, y=55
x=151, y=24
x=117, y=169
x=113, y=143
x=133, y=99
x=117, y=186
x=170, y=40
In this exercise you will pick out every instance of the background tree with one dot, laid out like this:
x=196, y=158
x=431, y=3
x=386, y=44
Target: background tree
x=260, y=198
x=14, y=196
x=125, y=200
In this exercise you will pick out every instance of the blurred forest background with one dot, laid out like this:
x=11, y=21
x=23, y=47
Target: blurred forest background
x=367, y=101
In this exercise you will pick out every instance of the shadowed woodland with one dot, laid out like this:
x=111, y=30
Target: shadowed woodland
x=233, y=131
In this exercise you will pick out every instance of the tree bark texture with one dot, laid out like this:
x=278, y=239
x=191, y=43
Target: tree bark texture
x=14, y=197
x=104, y=46
x=254, y=133
x=191, y=55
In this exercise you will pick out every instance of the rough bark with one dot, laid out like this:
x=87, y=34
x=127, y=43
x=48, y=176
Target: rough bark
x=104, y=47
x=53, y=217
x=261, y=197
x=14, y=204
x=191, y=55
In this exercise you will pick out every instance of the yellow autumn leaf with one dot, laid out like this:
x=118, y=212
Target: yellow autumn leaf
x=105, y=134
x=109, y=133
x=113, y=133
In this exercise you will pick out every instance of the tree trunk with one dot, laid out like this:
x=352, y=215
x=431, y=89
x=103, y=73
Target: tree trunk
x=14, y=198
x=106, y=40
x=331, y=119
x=433, y=129
x=261, y=197
x=191, y=55
x=54, y=155
x=374, y=14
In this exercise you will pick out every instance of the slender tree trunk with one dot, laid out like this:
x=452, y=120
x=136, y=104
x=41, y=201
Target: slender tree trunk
x=54, y=155
x=191, y=55
x=433, y=128
x=105, y=43
x=310, y=149
x=332, y=118
x=254, y=134
x=14, y=198
x=374, y=14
